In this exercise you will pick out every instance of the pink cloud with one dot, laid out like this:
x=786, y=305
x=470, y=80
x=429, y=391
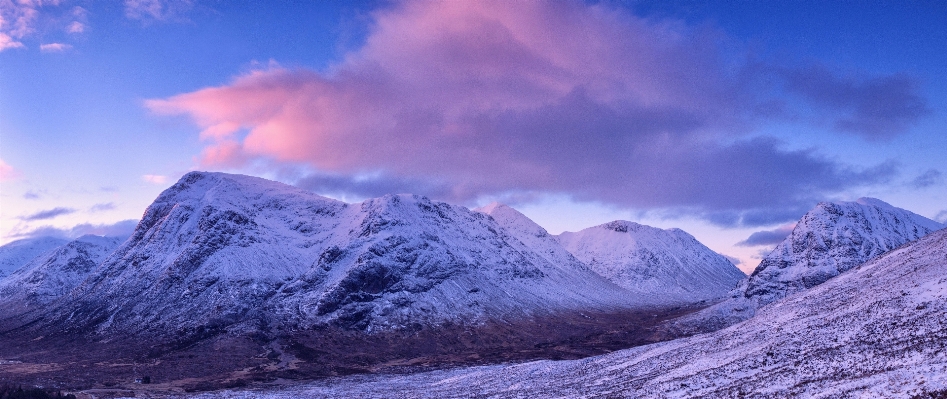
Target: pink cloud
x=430, y=69
x=19, y=20
x=54, y=47
x=75, y=27
x=498, y=96
x=155, y=179
x=7, y=172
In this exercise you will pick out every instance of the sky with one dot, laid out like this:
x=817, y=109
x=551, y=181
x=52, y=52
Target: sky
x=728, y=119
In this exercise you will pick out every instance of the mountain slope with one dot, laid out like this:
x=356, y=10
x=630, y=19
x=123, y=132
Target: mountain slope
x=668, y=264
x=536, y=238
x=831, y=239
x=827, y=241
x=218, y=251
x=20, y=252
x=52, y=275
x=875, y=331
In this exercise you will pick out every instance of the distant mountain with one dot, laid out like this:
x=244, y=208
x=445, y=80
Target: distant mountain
x=53, y=274
x=18, y=253
x=219, y=251
x=876, y=330
x=667, y=264
x=830, y=239
x=539, y=240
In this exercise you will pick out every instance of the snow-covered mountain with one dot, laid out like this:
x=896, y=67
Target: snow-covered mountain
x=535, y=237
x=877, y=330
x=53, y=274
x=229, y=251
x=668, y=264
x=18, y=253
x=831, y=238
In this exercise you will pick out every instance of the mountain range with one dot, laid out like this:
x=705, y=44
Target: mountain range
x=296, y=285
x=875, y=331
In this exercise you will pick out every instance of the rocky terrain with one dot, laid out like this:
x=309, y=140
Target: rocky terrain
x=874, y=331
x=828, y=240
x=269, y=281
x=236, y=282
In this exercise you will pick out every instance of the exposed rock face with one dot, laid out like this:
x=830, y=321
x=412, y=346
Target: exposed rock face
x=226, y=252
x=667, y=264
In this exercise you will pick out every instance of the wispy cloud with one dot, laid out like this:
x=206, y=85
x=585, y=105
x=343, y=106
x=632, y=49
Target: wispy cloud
x=155, y=179
x=941, y=216
x=54, y=47
x=7, y=172
x=927, y=179
x=79, y=24
x=19, y=20
x=76, y=27
x=48, y=214
x=559, y=97
x=736, y=261
x=159, y=10
x=119, y=229
x=108, y=206
x=16, y=22
x=767, y=237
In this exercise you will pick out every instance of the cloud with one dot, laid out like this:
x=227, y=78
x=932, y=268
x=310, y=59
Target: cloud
x=7, y=42
x=54, y=47
x=557, y=97
x=16, y=22
x=159, y=10
x=31, y=195
x=767, y=237
x=736, y=261
x=7, y=172
x=119, y=229
x=79, y=24
x=48, y=214
x=108, y=206
x=874, y=108
x=76, y=27
x=927, y=179
x=941, y=216
x=19, y=20
x=155, y=179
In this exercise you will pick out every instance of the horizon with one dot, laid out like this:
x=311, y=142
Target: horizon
x=727, y=120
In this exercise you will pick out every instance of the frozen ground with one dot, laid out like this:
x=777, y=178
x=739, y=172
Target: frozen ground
x=876, y=331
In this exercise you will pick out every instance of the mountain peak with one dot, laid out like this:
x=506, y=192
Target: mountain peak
x=623, y=226
x=874, y=202
x=669, y=264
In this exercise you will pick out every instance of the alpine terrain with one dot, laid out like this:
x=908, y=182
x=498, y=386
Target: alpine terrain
x=297, y=285
x=53, y=274
x=828, y=240
x=18, y=253
x=667, y=264
x=876, y=330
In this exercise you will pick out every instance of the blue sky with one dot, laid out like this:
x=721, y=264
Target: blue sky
x=722, y=118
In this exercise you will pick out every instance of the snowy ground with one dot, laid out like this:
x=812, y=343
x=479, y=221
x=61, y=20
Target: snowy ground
x=877, y=331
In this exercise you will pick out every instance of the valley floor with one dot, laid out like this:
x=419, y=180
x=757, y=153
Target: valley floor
x=287, y=360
